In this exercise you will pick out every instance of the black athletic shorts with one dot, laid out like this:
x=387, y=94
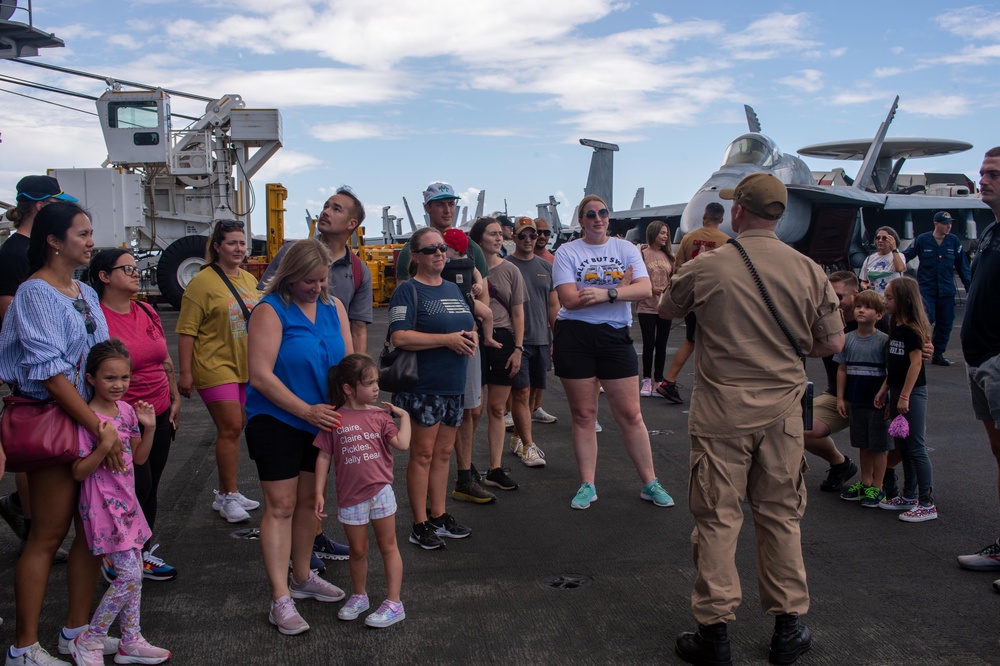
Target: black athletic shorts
x=582, y=350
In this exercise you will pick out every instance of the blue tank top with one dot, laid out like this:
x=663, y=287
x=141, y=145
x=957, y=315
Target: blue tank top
x=306, y=354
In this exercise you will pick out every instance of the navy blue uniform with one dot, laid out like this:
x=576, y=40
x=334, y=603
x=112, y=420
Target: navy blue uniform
x=936, y=276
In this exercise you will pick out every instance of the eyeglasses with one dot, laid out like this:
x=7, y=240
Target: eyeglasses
x=592, y=215
x=544, y=232
x=433, y=249
x=127, y=269
x=81, y=306
x=527, y=234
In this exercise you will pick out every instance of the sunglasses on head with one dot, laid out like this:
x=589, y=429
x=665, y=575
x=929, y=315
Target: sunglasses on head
x=433, y=249
x=527, y=234
x=592, y=215
x=230, y=225
x=83, y=308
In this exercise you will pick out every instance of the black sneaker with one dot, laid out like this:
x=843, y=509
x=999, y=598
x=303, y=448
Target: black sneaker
x=889, y=484
x=669, y=391
x=839, y=475
x=446, y=526
x=938, y=359
x=476, y=476
x=425, y=536
x=472, y=492
x=497, y=477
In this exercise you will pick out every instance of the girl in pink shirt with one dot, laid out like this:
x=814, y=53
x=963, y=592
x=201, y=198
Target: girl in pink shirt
x=112, y=520
x=362, y=458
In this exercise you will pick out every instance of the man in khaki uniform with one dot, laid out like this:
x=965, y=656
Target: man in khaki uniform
x=746, y=418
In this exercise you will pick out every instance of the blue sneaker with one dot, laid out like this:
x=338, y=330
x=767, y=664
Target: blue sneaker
x=326, y=548
x=585, y=496
x=108, y=571
x=153, y=568
x=654, y=492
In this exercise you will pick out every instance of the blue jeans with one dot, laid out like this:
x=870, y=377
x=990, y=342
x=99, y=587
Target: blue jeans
x=917, y=473
x=941, y=314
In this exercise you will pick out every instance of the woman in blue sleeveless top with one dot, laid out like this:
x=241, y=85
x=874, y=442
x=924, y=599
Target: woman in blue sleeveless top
x=297, y=332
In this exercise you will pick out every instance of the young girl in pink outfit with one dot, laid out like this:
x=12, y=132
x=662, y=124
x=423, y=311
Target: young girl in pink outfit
x=362, y=459
x=112, y=520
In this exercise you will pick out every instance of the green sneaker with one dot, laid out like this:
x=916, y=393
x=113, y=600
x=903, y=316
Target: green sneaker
x=585, y=496
x=854, y=493
x=654, y=492
x=872, y=497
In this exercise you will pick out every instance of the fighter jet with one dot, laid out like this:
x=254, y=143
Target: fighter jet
x=829, y=220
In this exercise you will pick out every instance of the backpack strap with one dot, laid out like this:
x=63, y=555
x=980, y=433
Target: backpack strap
x=356, y=270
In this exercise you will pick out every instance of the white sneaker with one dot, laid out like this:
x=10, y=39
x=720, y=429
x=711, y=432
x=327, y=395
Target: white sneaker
x=542, y=416
x=35, y=656
x=231, y=510
x=533, y=456
x=508, y=420
x=597, y=426
x=516, y=446
x=647, y=388
x=110, y=644
x=245, y=502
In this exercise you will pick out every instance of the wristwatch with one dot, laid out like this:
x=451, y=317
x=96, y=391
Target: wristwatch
x=612, y=295
x=520, y=348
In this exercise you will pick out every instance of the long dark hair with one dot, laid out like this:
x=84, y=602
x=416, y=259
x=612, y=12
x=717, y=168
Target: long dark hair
x=52, y=220
x=909, y=310
x=479, y=228
x=652, y=231
x=351, y=370
x=103, y=262
x=219, y=231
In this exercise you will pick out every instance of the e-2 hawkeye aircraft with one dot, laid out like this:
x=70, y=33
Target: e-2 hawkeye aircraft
x=828, y=220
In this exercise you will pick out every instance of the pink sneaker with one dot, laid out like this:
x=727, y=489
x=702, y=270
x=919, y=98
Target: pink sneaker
x=140, y=651
x=919, y=514
x=284, y=616
x=314, y=587
x=87, y=652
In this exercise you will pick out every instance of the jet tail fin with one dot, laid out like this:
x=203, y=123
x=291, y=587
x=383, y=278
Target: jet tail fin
x=865, y=179
x=600, y=180
x=480, y=201
x=409, y=215
x=640, y=198
x=752, y=121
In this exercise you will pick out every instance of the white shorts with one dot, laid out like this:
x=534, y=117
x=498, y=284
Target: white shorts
x=382, y=505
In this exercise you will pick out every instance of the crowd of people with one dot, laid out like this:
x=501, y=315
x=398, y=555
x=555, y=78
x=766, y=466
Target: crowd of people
x=487, y=315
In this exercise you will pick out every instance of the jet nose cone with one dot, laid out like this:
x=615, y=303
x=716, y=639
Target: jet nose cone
x=691, y=219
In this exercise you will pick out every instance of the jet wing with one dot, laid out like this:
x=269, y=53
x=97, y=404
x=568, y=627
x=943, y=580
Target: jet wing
x=837, y=195
x=650, y=212
x=924, y=202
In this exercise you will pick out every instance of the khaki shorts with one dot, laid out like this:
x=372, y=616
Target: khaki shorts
x=825, y=410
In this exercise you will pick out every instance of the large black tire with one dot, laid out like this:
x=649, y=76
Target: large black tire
x=177, y=265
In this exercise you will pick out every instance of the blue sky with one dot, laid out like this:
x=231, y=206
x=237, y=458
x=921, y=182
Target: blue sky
x=493, y=94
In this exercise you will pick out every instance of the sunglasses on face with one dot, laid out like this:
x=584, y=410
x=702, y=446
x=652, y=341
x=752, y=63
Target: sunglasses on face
x=433, y=249
x=127, y=269
x=592, y=215
x=81, y=306
x=544, y=232
x=527, y=234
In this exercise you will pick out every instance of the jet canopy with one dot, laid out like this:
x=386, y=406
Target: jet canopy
x=752, y=148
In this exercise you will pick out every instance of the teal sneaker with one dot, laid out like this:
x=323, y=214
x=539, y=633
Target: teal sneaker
x=872, y=497
x=654, y=492
x=585, y=496
x=854, y=492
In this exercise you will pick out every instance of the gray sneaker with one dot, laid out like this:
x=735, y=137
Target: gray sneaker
x=314, y=587
x=284, y=616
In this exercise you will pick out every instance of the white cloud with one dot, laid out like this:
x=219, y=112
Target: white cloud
x=286, y=163
x=851, y=97
x=885, y=72
x=809, y=80
x=938, y=106
x=971, y=23
x=350, y=131
x=769, y=36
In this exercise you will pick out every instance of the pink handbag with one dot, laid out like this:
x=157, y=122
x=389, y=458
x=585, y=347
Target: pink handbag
x=36, y=434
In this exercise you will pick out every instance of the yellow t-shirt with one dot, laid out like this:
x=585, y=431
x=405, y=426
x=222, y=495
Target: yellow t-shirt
x=211, y=315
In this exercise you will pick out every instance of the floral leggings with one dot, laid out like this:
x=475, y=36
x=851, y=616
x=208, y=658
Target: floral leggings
x=122, y=598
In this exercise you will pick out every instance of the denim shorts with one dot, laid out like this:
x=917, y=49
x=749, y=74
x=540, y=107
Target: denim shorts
x=984, y=382
x=382, y=505
x=429, y=410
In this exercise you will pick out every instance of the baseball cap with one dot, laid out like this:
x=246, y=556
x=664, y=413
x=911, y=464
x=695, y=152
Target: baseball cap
x=505, y=221
x=457, y=240
x=524, y=223
x=943, y=217
x=40, y=188
x=756, y=192
x=437, y=191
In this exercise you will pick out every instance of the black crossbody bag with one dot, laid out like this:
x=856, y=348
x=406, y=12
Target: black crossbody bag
x=807, y=397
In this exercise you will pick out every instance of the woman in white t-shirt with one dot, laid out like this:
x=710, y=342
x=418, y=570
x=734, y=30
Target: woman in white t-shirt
x=886, y=264
x=596, y=277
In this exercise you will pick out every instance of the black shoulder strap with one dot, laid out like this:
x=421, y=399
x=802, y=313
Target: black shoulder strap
x=767, y=300
x=148, y=312
x=236, y=294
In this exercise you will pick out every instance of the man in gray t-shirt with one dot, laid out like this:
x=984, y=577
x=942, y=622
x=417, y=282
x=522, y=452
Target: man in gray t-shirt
x=539, y=311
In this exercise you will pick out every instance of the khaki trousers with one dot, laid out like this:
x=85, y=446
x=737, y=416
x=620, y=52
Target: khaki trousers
x=765, y=468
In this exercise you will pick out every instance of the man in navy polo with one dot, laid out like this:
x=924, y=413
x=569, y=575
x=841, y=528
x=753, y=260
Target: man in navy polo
x=941, y=256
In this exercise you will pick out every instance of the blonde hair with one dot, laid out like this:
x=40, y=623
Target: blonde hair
x=302, y=259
